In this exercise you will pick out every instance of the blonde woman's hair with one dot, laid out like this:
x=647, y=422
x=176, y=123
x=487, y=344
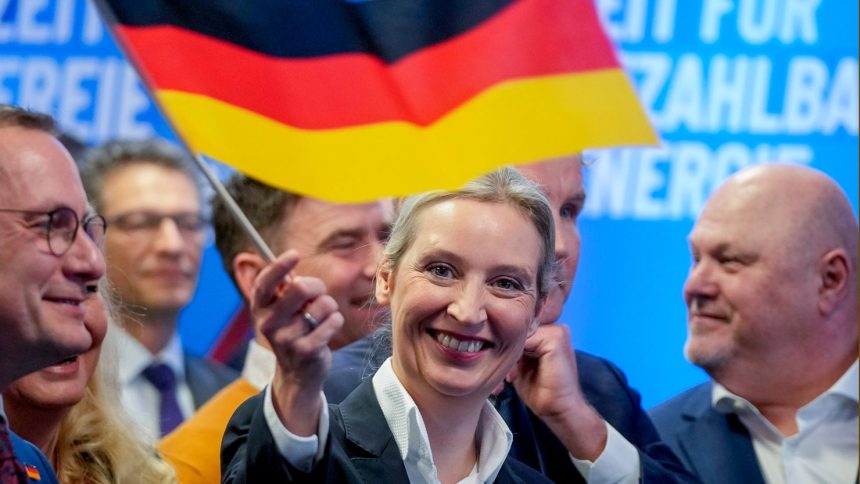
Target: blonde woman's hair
x=95, y=445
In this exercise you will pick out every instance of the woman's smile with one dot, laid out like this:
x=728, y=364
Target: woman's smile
x=460, y=344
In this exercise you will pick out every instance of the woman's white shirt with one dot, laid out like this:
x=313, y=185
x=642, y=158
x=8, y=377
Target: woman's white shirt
x=407, y=426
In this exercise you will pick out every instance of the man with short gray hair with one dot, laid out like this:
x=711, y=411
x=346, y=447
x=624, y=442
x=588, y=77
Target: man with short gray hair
x=150, y=195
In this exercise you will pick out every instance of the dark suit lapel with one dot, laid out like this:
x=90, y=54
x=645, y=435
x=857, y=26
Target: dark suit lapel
x=534, y=443
x=375, y=454
x=513, y=411
x=198, y=382
x=506, y=477
x=719, y=445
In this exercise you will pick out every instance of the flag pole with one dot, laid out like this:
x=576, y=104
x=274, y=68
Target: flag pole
x=233, y=207
x=222, y=192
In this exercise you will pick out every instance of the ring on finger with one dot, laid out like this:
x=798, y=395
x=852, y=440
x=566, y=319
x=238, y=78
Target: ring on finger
x=310, y=319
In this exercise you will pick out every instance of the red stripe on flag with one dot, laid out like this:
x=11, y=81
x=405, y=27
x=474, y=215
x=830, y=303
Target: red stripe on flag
x=529, y=39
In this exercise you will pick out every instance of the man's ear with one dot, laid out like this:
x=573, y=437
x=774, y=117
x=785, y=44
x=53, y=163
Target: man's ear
x=246, y=266
x=834, y=271
x=384, y=280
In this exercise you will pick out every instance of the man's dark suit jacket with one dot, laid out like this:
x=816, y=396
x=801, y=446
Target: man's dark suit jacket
x=360, y=448
x=715, y=446
x=603, y=384
x=206, y=378
x=29, y=455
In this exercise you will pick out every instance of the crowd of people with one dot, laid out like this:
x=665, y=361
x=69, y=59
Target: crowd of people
x=412, y=340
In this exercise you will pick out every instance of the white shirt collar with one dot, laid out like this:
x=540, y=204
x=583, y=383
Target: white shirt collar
x=824, y=449
x=724, y=401
x=847, y=384
x=406, y=424
x=259, y=368
x=727, y=402
x=135, y=357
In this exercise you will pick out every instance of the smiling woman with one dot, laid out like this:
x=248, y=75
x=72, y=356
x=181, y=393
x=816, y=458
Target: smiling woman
x=71, y=412
x=464, y=275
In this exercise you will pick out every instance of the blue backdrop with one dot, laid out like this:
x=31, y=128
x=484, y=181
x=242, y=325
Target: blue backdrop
x=728, y=83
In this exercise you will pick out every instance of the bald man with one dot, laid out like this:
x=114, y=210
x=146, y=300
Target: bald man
x=772, y=299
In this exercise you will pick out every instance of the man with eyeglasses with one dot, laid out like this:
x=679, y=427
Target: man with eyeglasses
x=49, y=254
x=148, y=192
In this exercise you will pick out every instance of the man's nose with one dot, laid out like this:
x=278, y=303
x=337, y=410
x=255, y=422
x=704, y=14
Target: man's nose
x=562, y=249
x=700, y=282
x=168, y=237
x=84, y=260
x=374, y=254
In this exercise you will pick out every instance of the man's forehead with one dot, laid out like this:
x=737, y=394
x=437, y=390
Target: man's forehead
x=309, y=208
x=737, y=204
x=38, y=171
x=148, y=185
x=736, y=226
x=317, y=219
x=560, y=177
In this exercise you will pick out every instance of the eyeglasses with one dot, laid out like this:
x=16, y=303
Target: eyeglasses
x=60, y=227
x=189, y=224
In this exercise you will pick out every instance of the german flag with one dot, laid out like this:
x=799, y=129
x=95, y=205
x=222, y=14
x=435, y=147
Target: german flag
x=351, y=100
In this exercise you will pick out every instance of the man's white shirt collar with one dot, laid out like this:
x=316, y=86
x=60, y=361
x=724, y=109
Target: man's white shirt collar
x=139, y=397
x=724, y=401
x=847, y=384
x=825, y=447
x=259, y=365
x=134, y=357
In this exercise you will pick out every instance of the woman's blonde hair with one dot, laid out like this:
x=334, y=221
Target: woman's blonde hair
x=95, y=445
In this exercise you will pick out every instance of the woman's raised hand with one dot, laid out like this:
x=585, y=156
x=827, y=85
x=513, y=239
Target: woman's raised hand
x=285, y=311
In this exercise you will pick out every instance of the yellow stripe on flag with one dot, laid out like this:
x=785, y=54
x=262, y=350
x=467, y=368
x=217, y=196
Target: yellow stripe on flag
x=514, y=122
